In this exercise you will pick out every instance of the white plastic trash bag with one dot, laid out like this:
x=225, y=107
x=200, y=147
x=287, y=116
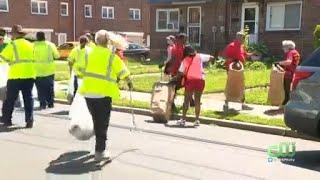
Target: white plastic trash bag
x=4, y=68
x=81, y=126
x=70, y=91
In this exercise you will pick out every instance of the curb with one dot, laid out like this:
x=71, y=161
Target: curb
x=219, y=122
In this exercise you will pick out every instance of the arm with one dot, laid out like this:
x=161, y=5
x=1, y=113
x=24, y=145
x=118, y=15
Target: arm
x=287, y=61
x=7, y=54
x=55, y=51
x=169, y=57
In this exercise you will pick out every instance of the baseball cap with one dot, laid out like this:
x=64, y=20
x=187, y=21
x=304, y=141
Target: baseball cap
x=171, y=37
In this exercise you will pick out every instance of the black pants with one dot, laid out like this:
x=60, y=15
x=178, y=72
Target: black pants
x=100, y=109
x=45, y=88
x=13, y=88
x=75, y=85
x=287, y=86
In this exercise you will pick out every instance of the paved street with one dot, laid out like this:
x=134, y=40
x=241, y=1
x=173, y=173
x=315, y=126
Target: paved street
x=159, y=152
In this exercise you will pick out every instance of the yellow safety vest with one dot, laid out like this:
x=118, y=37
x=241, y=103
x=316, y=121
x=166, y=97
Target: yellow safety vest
x=44, y=53
x=19, y=55
x=101, y=73
x=91, y=44
x=79, y=58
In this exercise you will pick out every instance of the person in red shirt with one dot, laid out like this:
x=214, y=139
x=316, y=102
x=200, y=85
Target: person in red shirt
x=235, y=52
x=292, y=60
x=171, y=45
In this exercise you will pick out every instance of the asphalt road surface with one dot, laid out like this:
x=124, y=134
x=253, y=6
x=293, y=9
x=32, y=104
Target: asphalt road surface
x=158, y=152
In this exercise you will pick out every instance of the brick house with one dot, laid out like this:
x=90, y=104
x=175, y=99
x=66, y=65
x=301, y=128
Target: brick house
x=211, y=24
x=61, y=23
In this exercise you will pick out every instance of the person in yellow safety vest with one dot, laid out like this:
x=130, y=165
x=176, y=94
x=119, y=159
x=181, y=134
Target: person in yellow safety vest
x=100, y=87
x=44, y=53
x=78, y=58
x=19, y=55
x=91, y=43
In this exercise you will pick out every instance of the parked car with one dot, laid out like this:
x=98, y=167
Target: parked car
x=137, y=52
x=302, y=112
x=65, y=49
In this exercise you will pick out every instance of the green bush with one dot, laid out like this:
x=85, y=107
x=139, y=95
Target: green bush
x=316, y=36
x=260, y=48
x=257, y=66
x=220, y=63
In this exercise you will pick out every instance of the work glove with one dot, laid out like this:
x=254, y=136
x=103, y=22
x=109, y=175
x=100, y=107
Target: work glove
x=130, y=85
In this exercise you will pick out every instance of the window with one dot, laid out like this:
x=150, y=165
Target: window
x=134, y=14
x=167, y=20
x=284, y=16
x=88, y=11
x=107, y=12
x=64, y=10
x=39, y=7
x=4, y=6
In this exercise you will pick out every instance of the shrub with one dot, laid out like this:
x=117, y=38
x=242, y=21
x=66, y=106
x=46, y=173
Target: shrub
x=259, y=48
x=220, y=63
x=257, y=66
x=316, y=36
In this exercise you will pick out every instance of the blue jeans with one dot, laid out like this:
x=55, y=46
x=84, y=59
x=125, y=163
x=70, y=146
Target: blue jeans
x=14, y=86
x=45, y=88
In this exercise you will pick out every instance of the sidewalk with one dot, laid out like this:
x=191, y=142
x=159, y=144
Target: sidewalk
x=212, y=102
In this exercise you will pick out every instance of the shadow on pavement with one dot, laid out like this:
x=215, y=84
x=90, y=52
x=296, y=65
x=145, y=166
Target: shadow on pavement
x=306, y=159
x=180, y=126
x=273, y=112
x=152, y=121
x=60, y=113
x=78, y=162
x=9, y=129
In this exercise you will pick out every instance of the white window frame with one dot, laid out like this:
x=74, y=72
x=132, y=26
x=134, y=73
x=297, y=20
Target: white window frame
x=62, y=36
x=67, y=10
x=7, y=3
x=167, y=10
x=38, y=3
x=134, y=14
x=282, y=3
x=108, y=8
x=90, y=8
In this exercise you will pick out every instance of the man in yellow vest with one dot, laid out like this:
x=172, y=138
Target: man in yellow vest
x=100, y=87
x=19, y=55
x=44, y=53
x=78, y=59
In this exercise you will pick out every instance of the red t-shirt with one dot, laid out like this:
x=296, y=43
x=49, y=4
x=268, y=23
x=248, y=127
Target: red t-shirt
x=177, y=53
x=294, y=56
x=235, y=51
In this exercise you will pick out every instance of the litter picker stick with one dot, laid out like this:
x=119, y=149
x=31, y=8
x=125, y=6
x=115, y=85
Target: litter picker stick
x=132, y=113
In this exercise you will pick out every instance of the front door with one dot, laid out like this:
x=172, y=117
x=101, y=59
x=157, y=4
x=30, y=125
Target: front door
x=194, y=25
x=62, y=38
x=250, y=18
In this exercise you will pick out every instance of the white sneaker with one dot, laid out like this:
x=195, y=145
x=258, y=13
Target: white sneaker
x=100, y=156
x=197, y=123
x=181, y=122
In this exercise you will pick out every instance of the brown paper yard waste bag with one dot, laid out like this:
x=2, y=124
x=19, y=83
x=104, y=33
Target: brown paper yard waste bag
x=234, y=90
x=161, y=101
x=276, y=90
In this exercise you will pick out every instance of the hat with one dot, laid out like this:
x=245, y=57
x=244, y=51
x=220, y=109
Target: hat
x=171, y=37
x=17, y=29
x=189, y=51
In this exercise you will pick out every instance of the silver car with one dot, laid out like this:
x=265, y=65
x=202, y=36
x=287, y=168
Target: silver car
x=302, y=112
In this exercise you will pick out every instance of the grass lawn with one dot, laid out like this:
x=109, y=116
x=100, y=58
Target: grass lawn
x=212, y=114
x=62, y=71
x=137, y=67
x=257, y=96
x=215, y=81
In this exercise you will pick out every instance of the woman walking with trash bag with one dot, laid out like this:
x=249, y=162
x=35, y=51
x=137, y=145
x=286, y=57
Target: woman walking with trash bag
x=192, y=73
x=290, y=63
x=99, y=88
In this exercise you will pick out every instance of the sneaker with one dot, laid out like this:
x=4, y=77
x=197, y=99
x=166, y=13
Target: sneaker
x=181, y=122
x=29, y=125
x=197, y=123
x=100, y=156
x=246, y=107
x=5, y=123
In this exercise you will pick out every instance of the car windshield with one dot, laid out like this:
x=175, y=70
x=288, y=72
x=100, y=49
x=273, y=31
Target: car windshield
x=313, y=59
x=134, y=46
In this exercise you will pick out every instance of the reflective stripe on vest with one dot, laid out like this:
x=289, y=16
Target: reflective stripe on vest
x=85, y=59
x=50, y=56
x=17, y=59
x=108, y=73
